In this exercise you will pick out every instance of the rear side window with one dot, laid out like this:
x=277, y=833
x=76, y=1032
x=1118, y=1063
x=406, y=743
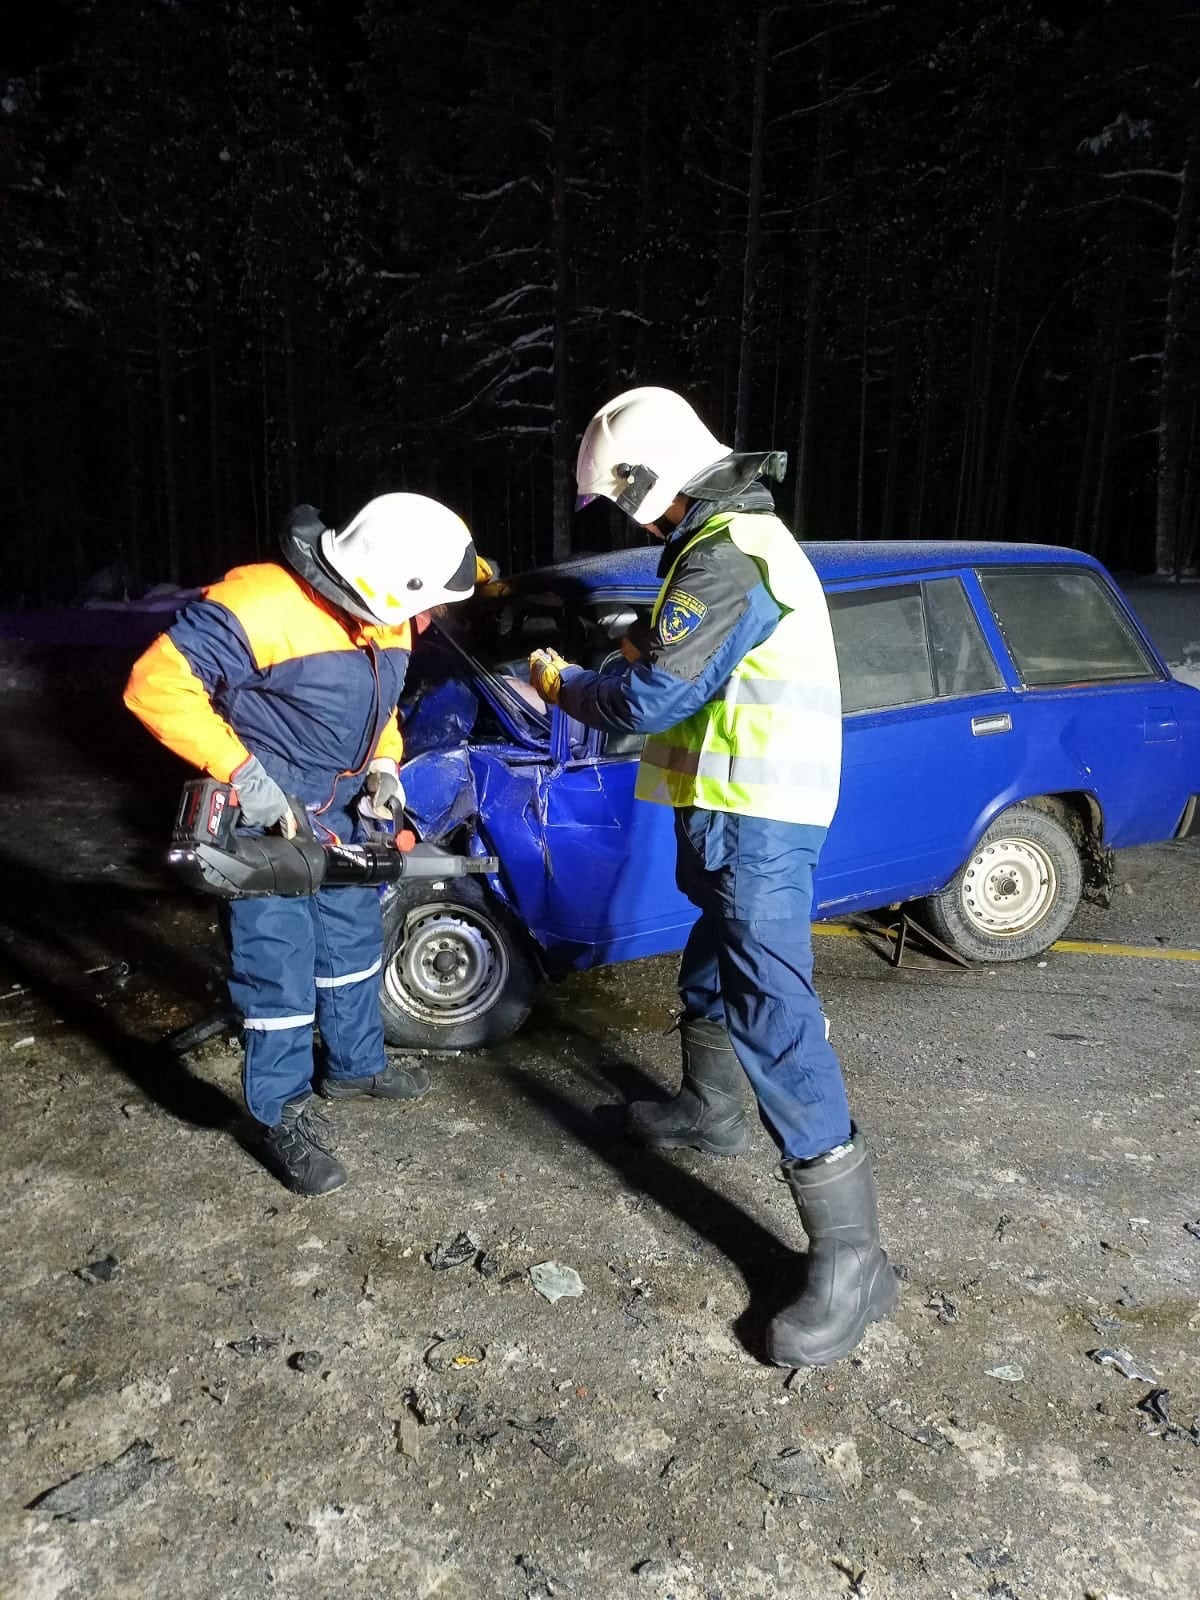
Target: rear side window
x=907, y=643
x=1064, y=627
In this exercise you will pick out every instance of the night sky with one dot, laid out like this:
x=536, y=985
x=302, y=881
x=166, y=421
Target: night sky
x=944, y=254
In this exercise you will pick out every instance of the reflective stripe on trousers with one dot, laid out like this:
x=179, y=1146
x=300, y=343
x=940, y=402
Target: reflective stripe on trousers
x=294, y=962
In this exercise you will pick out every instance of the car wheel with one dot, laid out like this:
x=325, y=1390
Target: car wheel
x=1016, y=894
x=457, y=974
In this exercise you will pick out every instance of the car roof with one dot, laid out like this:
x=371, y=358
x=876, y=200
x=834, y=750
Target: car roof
x=840, y=561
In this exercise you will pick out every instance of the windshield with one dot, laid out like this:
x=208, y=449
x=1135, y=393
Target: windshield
x=501, y=630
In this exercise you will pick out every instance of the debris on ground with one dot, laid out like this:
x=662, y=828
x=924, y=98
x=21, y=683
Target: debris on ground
x=557, y=1448
x=554, y=1282
x=1124, y=1362
x=795, y=1471
x=101, y=1271
x=463, y=1247
x=649, y=1567
x=88, y=1495
x=489, y=1265
x=408, y=1436
x=990, y=1556
x=425, y=1407
x=258, y=1344
x=1009, y=1372
x=1156, y=1404
x=898, y=1416
x=1193, y=1228
x=1106, y=1324
x=306, y=1360
x=450, y=1353
x=854, y=1573
x=947, y=1309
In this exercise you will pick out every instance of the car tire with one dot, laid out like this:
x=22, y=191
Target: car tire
x=457, y=970
x=1016, y=894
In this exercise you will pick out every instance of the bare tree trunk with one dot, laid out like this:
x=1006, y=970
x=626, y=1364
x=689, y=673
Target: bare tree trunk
x=166, y=412
x=816, y=196
x=864, y=362
x=262, y=529
x=1189, y=520
x=980, y=525
x=924, y=445
x=1172, y=439
x=887, y=512
x=289, y=396
x=560, y=428
x=216, y=530
x=1099, y=371
x=133, y=512
x=753, y=244
x=1098, y=511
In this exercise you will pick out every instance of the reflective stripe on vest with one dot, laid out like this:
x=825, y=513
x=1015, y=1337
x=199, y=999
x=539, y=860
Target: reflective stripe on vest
x=770, y=744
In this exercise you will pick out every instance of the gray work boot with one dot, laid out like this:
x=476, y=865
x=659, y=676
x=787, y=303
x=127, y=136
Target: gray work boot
x=708, y=1112
x=848, y=1282
x=297, y=1151
x=395, y=1082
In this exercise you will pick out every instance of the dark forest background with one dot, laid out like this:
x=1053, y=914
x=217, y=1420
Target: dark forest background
x=945, y=253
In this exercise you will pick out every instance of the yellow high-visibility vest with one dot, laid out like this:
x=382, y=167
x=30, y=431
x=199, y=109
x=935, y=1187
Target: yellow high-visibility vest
x=771, y=744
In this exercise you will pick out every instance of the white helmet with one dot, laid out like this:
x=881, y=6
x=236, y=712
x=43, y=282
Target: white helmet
x=641, y=450
x=401, y=554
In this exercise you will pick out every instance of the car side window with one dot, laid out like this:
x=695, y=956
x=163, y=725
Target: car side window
x=882, y=647
x=903, y=644
x=1064, y=627
x=962, y=662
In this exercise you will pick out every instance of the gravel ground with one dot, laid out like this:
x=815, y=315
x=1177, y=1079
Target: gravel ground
x=301, y=1406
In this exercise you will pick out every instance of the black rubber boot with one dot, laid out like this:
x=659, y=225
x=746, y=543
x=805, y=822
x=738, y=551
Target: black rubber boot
x=297, y=1151
x=395, y=1082
x=848, y=1282
x=708, y=1112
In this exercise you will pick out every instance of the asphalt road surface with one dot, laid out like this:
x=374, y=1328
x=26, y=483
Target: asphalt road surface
x=452, y=1433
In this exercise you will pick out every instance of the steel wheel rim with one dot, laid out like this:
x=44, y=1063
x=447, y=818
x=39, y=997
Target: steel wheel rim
x=450, y=966
x=1008, y=887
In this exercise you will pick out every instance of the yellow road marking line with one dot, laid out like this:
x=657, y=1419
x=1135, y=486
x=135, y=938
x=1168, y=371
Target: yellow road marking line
x=1073, y=947
x=1145, y=952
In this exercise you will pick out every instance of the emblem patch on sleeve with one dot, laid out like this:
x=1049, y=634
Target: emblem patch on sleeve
x=681, y=614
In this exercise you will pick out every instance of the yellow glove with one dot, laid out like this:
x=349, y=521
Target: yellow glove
x=545, y=674
x=484, y=571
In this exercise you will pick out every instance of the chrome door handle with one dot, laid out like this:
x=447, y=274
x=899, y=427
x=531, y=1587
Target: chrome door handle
x=1000, y=722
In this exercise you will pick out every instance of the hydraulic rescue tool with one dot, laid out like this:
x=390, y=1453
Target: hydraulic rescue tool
x=211, y=854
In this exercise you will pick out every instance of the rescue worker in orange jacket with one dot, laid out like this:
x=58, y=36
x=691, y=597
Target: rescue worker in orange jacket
x=283, y=679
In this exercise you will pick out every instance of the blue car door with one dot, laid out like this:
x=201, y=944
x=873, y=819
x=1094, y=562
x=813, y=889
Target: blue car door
x=930, y=741
x=611, y=858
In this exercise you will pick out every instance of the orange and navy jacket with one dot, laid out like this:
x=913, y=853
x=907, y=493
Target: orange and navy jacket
x=262, y=665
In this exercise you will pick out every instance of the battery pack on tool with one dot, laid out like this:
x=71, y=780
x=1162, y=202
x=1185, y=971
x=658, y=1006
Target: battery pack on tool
x=212, y=854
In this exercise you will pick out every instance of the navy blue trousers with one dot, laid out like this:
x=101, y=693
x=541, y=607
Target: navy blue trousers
x=748, y=965
x=296, y=962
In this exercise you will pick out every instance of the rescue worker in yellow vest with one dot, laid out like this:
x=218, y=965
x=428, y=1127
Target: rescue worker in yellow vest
x=735, y=683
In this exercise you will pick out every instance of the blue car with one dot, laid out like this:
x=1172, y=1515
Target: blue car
x=1008, y=725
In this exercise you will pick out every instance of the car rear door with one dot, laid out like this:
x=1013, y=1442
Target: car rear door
x=930, y=740
x=1094, y=699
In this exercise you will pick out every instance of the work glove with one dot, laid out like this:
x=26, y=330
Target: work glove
x=484, y=571
x=385, y=792
x=545, y=674
x=262, y=801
